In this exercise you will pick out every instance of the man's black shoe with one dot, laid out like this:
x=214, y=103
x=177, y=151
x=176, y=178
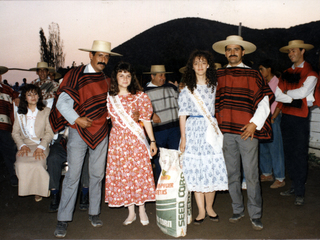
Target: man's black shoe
x=288, y=193
x=54, y=204
x=84, y=201
x=61, y=229
x=299, y=201
x=236, y=217
x=256, y=224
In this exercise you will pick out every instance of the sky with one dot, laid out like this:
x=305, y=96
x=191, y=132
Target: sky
x=118, y=21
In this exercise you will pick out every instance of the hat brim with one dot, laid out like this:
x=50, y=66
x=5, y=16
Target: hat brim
x=305, y=46
x=92, y=50
x=155, y=72
x=220, y=46
x=3, y=70
x=35, y=69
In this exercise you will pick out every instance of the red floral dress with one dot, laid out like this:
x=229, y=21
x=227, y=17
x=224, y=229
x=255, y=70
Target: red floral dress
x=129, y=176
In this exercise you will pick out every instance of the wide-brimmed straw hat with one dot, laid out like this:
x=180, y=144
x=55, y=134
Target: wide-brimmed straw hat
x=100, y=46
x=3, y=70
x=53, y=70
x=296, y=44
x=234, y=39
x=157, y=69
x=40, y=65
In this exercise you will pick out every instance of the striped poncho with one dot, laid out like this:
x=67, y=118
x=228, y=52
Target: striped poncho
x=239, y=92
x=89, y=92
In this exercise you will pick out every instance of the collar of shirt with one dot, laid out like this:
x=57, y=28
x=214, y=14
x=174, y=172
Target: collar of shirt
x=300, y=66
x=89, y=69
x=151, y=85
x=32, y=114
x=239, y=65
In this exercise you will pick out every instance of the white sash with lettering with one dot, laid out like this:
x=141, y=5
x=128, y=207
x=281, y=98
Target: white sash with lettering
x=24, y=130
x=129, y=122
x=213, y=134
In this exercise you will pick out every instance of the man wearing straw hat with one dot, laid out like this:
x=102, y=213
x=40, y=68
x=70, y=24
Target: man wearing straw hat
x=242, y=107
x=48, y=87
x=295, y=93
x=81, y=104
x=164, y=99
x=7, y=145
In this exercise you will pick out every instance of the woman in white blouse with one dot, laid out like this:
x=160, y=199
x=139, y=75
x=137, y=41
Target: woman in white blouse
x=32, y=133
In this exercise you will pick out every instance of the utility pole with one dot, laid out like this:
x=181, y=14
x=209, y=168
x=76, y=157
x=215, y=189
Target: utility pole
x=239, y=30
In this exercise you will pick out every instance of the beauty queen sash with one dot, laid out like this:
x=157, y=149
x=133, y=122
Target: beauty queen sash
x=213, y=134
x=23, y=124
x=128, y=121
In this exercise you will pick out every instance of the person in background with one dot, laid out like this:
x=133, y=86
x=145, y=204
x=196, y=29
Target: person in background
x=24, y=82
x=243, y=101
x=201, y=140
x=295, y=94
x=165, y=121
x=271, y=154
x=7, y=145
x=48, y=87
x=32, y=133
x=129, y=178
x=16, y=87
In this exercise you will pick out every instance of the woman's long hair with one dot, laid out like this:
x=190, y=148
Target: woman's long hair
x=125, y=67
x=189, y=76
x=23, y=105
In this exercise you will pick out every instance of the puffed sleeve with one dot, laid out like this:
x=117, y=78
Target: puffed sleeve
x=183, y=101
x=145, y=107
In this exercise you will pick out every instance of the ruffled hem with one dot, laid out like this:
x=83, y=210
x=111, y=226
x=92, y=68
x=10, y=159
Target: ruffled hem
x=127, y=205
x=207, y=189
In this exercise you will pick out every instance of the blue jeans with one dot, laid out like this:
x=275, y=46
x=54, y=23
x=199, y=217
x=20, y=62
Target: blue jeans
x=170, y=139
x=271, y=153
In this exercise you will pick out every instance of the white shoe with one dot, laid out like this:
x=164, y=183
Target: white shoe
x=127, y=222
x=144, y=223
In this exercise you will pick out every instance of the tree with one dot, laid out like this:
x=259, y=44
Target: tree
x=52, y=51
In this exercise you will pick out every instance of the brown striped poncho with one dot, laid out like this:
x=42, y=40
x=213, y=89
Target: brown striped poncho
x=239, y=92
x=89, y=92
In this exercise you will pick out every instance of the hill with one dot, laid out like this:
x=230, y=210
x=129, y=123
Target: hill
x=171, y=43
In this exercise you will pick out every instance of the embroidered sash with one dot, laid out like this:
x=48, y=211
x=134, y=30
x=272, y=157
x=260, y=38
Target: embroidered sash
x=24, y=130
x=128, y=121
x=213, y=134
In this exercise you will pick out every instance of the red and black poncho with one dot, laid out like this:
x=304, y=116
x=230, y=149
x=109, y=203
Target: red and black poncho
x=239, y=92
x=89, y=92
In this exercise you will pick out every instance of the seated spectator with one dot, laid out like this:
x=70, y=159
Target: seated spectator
x=32, y=134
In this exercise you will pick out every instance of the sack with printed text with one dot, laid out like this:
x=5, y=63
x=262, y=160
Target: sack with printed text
x=173, y=202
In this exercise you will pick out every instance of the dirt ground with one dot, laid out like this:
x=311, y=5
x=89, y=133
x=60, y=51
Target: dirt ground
x=23, y=218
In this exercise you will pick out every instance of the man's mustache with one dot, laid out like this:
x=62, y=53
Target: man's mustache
x=102, y=63
x=233, y=56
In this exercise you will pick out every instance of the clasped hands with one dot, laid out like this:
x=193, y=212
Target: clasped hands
x=38, y=153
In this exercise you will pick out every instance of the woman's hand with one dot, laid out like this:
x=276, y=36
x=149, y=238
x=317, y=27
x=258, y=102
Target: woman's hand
x=182, y=144
x=23, y=151
x=39, y=154
x=153, y=148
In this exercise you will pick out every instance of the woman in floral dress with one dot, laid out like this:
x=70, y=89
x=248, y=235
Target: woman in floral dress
x=201, y=140
x=129, y=176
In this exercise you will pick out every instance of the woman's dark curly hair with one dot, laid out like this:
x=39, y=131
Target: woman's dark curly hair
x=23, y=105
x=125, y=67
x=189, y=76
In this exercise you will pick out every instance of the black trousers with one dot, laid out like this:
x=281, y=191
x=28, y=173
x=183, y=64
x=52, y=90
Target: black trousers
x=295, y=136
